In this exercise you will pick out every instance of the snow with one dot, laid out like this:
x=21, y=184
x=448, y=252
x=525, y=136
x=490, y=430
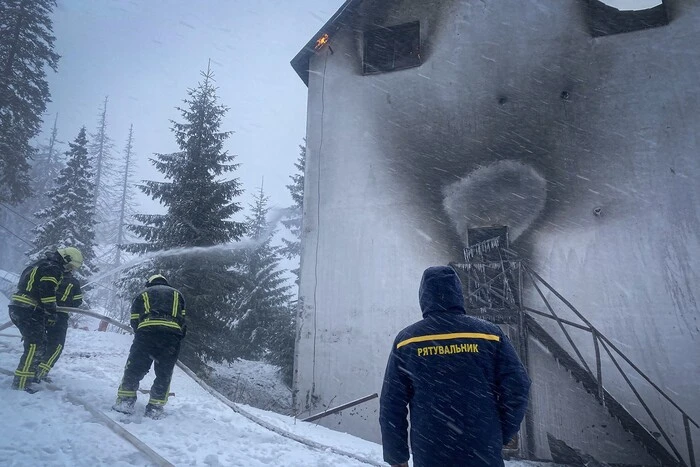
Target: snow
x=8, y=282
x=9, y=276
x=254, y=383
x=46, y=429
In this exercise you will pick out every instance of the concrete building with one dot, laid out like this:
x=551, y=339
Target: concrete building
x=571, y=124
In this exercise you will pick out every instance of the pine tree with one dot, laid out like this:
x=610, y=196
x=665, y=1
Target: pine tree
x=45, y=168
x=292, y=248
x=105, y=196
x=26, y=48
x=116, y=300
x=200, y=205
x=264, y=299
x=69, y=220
x=125, y=208
x=47, y=164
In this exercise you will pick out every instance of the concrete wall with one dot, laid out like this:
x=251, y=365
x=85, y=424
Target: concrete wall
x=610, y=124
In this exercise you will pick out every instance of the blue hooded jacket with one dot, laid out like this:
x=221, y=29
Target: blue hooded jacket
x=460, y=376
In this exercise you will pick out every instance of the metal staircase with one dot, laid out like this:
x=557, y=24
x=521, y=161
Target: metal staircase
x=494, y=276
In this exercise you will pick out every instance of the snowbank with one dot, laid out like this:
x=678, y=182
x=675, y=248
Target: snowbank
x=253, y=383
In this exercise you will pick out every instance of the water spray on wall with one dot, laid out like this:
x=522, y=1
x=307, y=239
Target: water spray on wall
x=506, y=193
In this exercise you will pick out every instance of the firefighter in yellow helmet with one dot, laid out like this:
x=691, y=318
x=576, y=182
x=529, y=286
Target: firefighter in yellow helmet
x=158, y=321
x=68, y=295
x=35, y=303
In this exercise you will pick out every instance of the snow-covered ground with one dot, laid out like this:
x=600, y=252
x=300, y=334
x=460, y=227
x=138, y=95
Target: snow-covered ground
x=253, y=383
x=46, y=429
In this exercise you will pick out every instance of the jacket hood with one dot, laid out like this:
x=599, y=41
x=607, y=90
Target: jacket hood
x=441, y=291
x=158, y=281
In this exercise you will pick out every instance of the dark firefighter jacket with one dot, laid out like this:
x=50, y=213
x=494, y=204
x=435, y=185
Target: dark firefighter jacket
x=68, y=293
x=159, y=307
x=38, y=283
x=461, y=378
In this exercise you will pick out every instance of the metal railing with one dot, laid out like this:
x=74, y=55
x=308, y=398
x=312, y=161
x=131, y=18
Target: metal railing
x=600, y=340
x=509, y=268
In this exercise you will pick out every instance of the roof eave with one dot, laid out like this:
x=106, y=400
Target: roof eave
x=300, y=62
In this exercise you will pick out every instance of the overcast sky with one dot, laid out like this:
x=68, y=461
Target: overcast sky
x=144, y=54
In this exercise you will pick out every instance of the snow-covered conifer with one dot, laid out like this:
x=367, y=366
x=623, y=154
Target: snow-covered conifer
x=200, y=201
x=26, y=48
x=292, y=248
x=70, y=218
x=262, y=321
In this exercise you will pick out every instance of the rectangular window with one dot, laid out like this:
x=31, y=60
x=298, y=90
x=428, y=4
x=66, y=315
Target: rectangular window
x=391, y=48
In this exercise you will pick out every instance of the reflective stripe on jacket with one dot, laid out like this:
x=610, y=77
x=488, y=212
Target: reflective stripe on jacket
x=462, y=379
x=69, y=293
x=38, y=283
x=159, y=307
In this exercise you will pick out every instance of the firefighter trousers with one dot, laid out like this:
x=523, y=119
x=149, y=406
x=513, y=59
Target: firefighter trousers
x=31, y=322
x=160, y=348
x=56, y=329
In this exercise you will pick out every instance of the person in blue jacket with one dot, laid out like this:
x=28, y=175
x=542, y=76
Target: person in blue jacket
x=460, y=376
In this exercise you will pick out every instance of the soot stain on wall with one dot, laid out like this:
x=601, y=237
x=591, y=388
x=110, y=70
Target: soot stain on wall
x=518, y=112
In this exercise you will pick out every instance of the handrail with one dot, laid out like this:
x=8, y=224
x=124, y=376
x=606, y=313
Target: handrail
x=570, y=323
x=641, y=401
x=599, y=339
x=614, y=347
x=340, y=408
x=561, y=325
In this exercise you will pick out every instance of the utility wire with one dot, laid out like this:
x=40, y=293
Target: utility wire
x=318, y=223
x=18, y=214
x=16, y=236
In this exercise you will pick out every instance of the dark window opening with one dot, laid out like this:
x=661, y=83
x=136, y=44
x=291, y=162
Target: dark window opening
x=392, y=48
x=605, y=20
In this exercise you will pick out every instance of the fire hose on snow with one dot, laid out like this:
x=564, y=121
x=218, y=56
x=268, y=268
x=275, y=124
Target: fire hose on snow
x=232, y=405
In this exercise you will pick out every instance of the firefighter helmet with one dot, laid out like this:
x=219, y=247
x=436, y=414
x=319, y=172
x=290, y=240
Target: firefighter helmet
x=72, y=257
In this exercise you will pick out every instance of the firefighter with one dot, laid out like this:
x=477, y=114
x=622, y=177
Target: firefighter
x=33, y=304
x=158, y=321
x=461, y=378
x=68, y=294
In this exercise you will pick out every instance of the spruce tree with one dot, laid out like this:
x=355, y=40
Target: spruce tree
x=200, y=203
x=70, y=218
x=26, y=48
x=292, y=248
x=264, y=300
